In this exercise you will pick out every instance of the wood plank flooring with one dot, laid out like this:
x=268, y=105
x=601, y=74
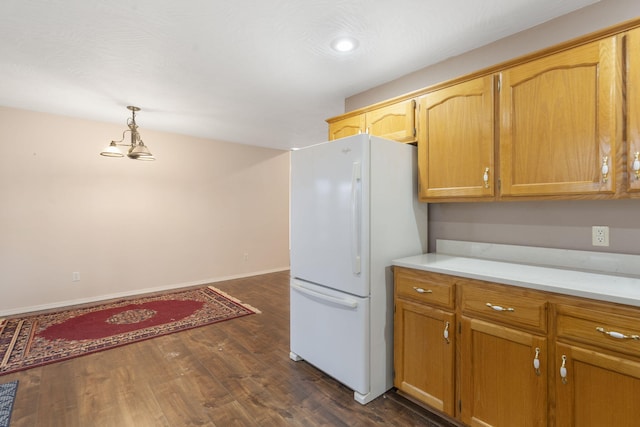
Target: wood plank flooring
x=235, y=373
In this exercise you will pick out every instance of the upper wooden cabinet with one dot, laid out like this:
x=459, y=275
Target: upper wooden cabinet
x=558, y=133
x=633, y=110
x=456, y=140
x=346, y=127
x=395, y=121
x=561, y=123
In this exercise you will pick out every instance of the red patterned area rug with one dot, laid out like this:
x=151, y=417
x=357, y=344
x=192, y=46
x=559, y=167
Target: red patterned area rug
x=26, y=342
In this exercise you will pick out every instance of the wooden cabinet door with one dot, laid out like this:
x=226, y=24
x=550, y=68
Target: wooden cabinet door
x=456, y=141
x=599, y=389
x=396, y=121
x=346, y=127
x=558, y=122
x=424, y=357
x=499, y=385
x=633, y=110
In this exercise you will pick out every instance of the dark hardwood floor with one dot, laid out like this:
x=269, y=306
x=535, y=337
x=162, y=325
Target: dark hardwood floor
x=235, y=373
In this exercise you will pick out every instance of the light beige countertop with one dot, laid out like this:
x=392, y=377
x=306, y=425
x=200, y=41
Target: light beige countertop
x=609, y=277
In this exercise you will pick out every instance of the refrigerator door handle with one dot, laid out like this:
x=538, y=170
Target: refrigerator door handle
x=356, y=217
x=344, y=302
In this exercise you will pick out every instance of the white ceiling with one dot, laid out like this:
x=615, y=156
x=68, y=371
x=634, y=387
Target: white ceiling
x=257, y=72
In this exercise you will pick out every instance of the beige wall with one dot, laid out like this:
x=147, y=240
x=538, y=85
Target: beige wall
x=557, y=224
x=129, y=226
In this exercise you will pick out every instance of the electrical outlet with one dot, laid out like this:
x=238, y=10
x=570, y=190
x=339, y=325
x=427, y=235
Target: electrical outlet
x=246, y=256
x=600, y=235
x=75, y=276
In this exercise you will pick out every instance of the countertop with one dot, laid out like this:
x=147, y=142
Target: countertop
x=598, y=285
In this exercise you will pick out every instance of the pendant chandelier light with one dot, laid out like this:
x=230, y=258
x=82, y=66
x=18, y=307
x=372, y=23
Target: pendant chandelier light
x=137, y=149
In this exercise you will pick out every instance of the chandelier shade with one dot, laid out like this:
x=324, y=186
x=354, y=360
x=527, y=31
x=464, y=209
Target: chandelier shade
x=137, y=149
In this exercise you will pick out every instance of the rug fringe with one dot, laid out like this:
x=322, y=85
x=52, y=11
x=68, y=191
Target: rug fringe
x=12, y=344
x=234, y=299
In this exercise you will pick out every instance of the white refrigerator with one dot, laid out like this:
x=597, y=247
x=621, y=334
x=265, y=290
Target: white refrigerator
x=354, y=209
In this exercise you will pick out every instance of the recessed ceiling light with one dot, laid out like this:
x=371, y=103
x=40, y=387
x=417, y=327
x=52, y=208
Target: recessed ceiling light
x=344, y=44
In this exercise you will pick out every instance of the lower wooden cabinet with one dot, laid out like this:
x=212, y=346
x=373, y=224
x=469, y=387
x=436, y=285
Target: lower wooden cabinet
x=521, y=358
x=595, y=389
x=499, y=383
x=424, y=354
x=425, y=338
x=597, y=359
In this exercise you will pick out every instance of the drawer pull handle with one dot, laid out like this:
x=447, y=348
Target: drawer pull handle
x=446, y=332
x=499, y=308
x=617, y=335
x=422, y=291
x=485, y=177
x=536, y=361
x=563, y=370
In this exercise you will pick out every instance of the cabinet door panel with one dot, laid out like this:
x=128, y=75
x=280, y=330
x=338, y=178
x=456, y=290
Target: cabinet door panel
x=499, y=385
x=424, y=367
x=456, y=141
x=395, y=122
x=633, y=108
x=600, y=389
x=558, y=123
x=346, y=127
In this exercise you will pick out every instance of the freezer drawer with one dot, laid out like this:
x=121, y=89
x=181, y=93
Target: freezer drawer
x=330, y=330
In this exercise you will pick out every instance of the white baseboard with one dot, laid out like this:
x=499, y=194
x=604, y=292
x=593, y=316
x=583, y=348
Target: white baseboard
x=106, y=297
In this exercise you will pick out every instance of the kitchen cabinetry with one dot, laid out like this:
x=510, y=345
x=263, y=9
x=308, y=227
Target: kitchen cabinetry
x=503, y=356
x=597, y=360
x=564, y=123
x=558, y=122
x=497, y=355
x=396, y=121
x=348, y=126
x=456, y=141
x=633, y=110
x=424, y=331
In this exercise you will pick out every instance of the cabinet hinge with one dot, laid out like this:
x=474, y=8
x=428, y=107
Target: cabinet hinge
x=415, y=132
x=499, y=82
x=499, y=185
x=413, y=101
x=460, y=405
x=459, y=328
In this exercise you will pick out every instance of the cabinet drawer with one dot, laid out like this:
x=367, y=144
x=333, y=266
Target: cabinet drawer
x=606, y=330
x=431, y=288
x=505, y=304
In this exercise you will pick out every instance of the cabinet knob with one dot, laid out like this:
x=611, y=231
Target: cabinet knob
x=636, y=165
x=617, y=335
x=499, y=308
x=605, y=168
x=485, y=177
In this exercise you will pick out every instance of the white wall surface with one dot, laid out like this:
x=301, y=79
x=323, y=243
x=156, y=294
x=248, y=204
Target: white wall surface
x=128, y=226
